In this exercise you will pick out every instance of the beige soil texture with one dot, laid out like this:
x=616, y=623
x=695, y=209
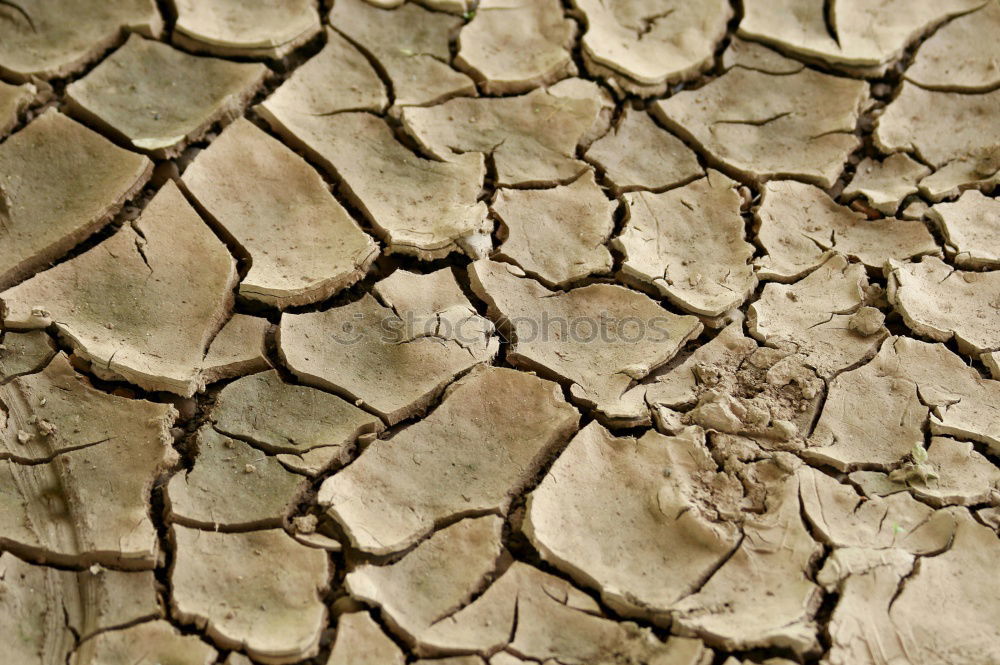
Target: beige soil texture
x=763, y=126
x=244, y=181
x=944, y=130
x=252, y=29
x=499, y=332
x=799, y=227
x=509, y=47
x=59, y=183
x=159, y=99
x=60, y=37
x=688, y=244
x=14, y=99
x=642, y=45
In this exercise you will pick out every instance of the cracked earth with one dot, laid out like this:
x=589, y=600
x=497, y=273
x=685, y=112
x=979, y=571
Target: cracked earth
x=499, y=332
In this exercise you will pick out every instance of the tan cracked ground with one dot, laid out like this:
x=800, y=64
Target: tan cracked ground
x=499, y=332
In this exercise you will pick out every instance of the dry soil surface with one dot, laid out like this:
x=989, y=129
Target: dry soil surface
x=499, y=332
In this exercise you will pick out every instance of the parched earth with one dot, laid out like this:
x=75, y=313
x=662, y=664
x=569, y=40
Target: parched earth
x=582, y=332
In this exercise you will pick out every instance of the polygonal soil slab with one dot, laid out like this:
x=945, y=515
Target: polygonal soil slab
x=237, y=350
x=513, y=48
x=471, y=455
x=527, y=613
x=307, y=429
x=763, y=126
x=971, y=229
x=688, y=244
x=534, y=616
x=56, y=411
x=944, y=129
x=24, y=353
x=360, y=641
x=665, y=161
x=232, y=485
x=849, y=34
x=142, y=305
x=885, y=184
x=822, y=317
x=161, y=643
x=79, y=468
x=762, y=596
x=875, y=415
x=395, y=360
x=962, y=54
x=641, y=45
x=418, y=206
x=303, y=246
x=658, y=545
x=557, y=235
x=254, y=29
x=578, y=88
x=158, y=99
x=411, y=46
x=532, y=139
x=842, y=518
x=959, y=578
x=599, y=338
x=259, y=592
x=59, y=182
x=942, y=303
x=52, y=609
x=400, y=588
x=338, y=78
x=882, y=614
x=59, y=37
x=799, y=226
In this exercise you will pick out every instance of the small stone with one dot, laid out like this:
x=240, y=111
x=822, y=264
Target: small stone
x=867, y=321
